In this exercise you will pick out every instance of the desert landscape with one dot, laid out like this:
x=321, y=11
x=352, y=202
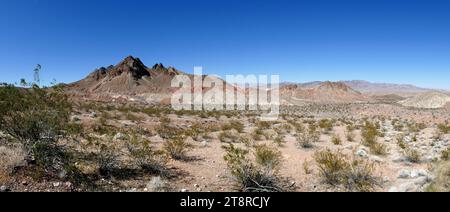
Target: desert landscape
x=115, y=130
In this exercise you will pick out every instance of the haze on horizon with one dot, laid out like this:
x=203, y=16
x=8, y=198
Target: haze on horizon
x=388, y=41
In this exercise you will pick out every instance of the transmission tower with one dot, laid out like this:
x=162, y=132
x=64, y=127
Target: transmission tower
x=37, y=80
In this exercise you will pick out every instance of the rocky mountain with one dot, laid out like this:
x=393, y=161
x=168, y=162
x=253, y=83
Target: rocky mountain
x=130, y=80
x=332, y=92
x=431, y=100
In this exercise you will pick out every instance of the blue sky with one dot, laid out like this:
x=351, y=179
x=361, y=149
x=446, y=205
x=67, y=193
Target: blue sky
x=398, y=41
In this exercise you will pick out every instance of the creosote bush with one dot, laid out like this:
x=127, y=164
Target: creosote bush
x=307, y=139
x=370, y=134
x=279, y=141
x=412, y=155
x=445, y=129
x=267, y=156
x=336, y=140
x=445, y=155
x=177, y=149
x=154, y=162
x=338, y=169
x=238, y=126
x=107, y=159
x=441, y=181
x=251, y=177
x=37, y=118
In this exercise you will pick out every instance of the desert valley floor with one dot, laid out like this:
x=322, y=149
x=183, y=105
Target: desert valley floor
x=408, y=151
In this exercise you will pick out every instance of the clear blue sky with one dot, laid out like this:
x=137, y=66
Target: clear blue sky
x=400, y=41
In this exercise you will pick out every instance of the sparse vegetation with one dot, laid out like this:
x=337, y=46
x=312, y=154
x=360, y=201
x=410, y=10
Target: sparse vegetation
x=379, y=149
x=236, y=125
x=279, y=141
x=336, y=140
x=154, y=162
x=336, y=169
x=11, y=158
x=445, y=129
x=307, y=167
x=37, y=118
x=441, y=182
x=350, y=135
x=267, y=157
x=412, y=155
x=248, y=176
x=307, y=139
x=445, y=155
x=401, y=141
x=177, y=148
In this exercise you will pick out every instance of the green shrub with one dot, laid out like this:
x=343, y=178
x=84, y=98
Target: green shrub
x=267, y=157
x=248, y=176
x=337, y=169
x=177, y=149
x=445, y=155
x=38, y=118
x=107, y=160
x=154, y=162
x=332, y=166
x=369, y=134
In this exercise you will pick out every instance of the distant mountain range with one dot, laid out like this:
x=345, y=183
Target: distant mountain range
x=373, y=88
x=132, y=80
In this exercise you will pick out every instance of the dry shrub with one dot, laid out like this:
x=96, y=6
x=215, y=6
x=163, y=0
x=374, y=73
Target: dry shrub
x=445, y=155
x=412, y=155
x=231, y=136
x=11, y=158
x=444, y=128
x=350, y=135
x=441, y=182
x=236, y=125
x=307, y=139
x=279, y=141
x=378, y=149
x=307, y=167
x=336, y=140
x=326, y=125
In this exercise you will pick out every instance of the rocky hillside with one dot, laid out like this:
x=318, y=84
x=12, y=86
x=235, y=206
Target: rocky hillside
x=429, y=100
x=329, y=92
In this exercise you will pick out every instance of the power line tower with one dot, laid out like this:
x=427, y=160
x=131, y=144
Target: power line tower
x=37, y=80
